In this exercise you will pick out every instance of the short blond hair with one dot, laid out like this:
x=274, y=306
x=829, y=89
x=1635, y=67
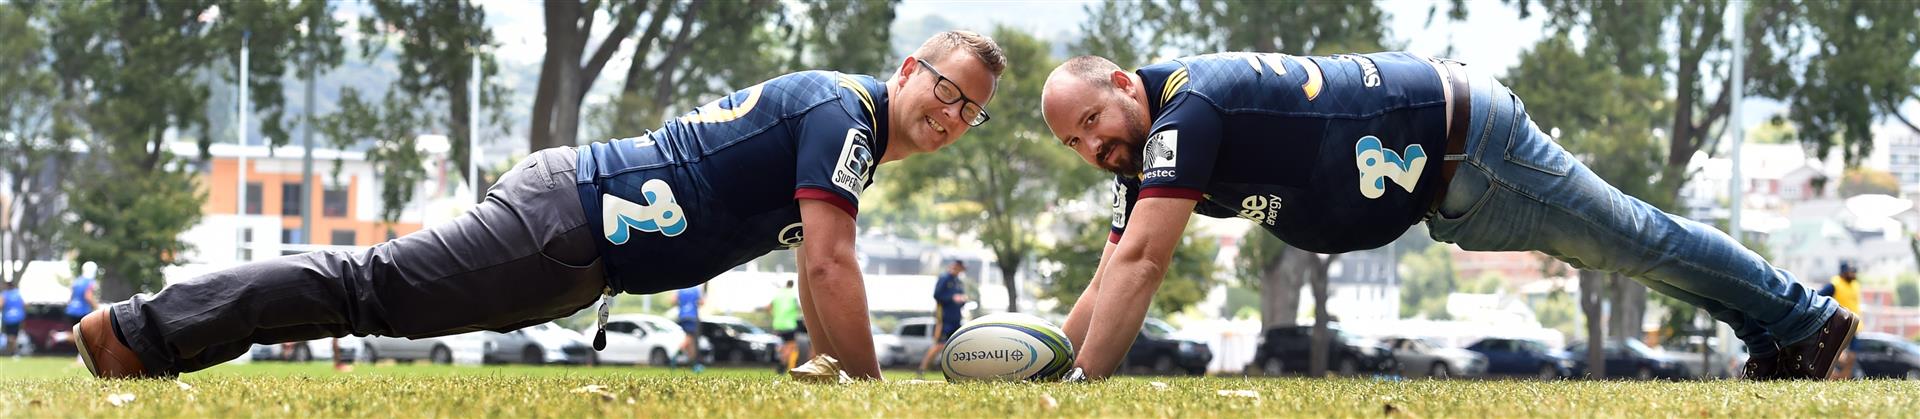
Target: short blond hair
x=982, y=47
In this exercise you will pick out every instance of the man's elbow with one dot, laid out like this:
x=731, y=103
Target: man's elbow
x=827, y=268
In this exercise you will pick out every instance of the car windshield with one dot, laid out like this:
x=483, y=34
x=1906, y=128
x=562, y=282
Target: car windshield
x=1156, y=328
x=1640, y=348
x=744, y=329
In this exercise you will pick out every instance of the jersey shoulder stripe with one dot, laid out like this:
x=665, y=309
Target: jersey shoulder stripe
x=1175, y=82
x=866, y=99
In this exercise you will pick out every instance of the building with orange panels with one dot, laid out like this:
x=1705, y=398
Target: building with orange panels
x=345, y=209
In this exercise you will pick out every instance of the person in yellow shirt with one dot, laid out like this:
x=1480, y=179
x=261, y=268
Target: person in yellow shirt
x=1845, y=290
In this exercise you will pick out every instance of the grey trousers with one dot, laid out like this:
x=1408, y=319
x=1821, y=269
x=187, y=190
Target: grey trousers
x=524, y=256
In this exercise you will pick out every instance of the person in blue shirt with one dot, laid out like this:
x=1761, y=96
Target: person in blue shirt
x=1341, y=153
x=688, y=301
x=13, y=310
x=780, y=164
x=949, y=296
x=84, y=297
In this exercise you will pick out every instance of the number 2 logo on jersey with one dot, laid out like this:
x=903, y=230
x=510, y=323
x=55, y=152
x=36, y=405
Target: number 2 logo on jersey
x=1377, y=164
x=661, y=213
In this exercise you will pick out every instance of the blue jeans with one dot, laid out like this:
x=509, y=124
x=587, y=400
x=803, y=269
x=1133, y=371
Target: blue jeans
x=1517, y=190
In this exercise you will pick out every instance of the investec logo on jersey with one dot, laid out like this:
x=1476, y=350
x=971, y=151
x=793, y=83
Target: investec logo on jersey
x=661, y=213
x=850, y=172
x=1264, y=209
x=1160, y=161
x=1377, y=164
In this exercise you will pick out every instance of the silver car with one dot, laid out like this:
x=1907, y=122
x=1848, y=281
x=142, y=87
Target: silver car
x=1420, y=357
x=543, y=343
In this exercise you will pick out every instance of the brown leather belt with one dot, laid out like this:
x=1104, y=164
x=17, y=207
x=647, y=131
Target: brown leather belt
x=1460, y=99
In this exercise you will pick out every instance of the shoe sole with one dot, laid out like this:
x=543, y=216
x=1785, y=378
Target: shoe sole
x=86, y=356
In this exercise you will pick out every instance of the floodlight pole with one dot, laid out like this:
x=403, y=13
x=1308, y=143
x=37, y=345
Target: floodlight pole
x=1738, y=129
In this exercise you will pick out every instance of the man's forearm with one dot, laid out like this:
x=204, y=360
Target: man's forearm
x=845, y=320
x=1123, y=302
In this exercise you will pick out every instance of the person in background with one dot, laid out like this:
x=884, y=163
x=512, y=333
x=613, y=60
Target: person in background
x=689, y=300
x=785, y=310
x=948, y=297
x=13, y=310
x=1845, y=290
x=84, y=295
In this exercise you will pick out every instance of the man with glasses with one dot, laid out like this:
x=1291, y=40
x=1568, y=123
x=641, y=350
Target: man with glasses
x=754, y=171
x=1343, y=153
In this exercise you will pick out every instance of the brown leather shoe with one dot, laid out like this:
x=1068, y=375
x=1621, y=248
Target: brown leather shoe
x=102, y=351
x=1763, y=368
x=1810, y=359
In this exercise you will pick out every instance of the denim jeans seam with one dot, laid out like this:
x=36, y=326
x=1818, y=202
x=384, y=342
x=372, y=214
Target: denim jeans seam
x=1689, y=264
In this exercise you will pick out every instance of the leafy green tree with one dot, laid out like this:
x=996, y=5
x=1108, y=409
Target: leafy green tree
x=437, y=42
x=1010, y=168
x=1862, y=180
x=394, y=130
x=1189, y=278
x=139, y=70
x=1428, y=281
x=35, y=163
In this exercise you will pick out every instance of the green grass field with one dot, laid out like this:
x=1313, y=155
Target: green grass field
x=55, y=387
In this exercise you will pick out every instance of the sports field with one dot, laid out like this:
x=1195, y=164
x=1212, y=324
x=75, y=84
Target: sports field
x=51, y=387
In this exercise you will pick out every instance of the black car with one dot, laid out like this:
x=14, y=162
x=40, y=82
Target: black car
x=1886, y=356
x=1629, y=359
x=1523, y=357
x=1287, y=349
x=1157, y=351
x=734, y=340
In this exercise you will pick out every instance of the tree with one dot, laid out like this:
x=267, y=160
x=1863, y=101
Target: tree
x=1205, y=26
x=1429, y=279
x=438, y=42
x=35, y=160
x=1862, y=180
x=394, y=129
x=564, y=78
x=1009, y=168
x=1189, y=277
x=140, y=69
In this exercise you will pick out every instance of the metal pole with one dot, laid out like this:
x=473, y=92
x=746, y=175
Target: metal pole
x=1738, y=191
x=306, y=157
x=240, y=134
x=473, y=128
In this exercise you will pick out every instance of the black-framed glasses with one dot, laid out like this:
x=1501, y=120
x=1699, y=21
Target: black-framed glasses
x=949, y=93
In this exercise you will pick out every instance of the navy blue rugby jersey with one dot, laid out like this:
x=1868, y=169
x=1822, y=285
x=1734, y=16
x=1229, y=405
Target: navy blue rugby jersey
x=721, y=185
x=1330, y=154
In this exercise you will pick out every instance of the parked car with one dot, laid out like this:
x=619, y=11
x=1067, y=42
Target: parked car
x=438, y=350
x=1701, y=355
x=1523, y=357
x=1420, y=357
x=1882, y=355
x=539, y=344
x=637, y=338
x=351, y=349
x=914, y=338
x=1156, y=350
x=886, y=348
x=1287, y=349
x=47, y=330
x=1629, y=359
x=735, y=340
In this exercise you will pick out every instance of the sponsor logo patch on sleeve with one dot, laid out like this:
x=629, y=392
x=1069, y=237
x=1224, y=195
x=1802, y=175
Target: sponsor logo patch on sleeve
x=853, y=169
x=1160, y=158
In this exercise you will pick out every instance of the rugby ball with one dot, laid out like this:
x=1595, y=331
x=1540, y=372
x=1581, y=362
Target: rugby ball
x=1007, y=347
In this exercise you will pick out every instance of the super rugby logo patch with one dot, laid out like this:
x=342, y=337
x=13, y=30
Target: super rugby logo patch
x=1160, y=158
x=850, y=172
x=1119, y=205
x=1378, y=164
